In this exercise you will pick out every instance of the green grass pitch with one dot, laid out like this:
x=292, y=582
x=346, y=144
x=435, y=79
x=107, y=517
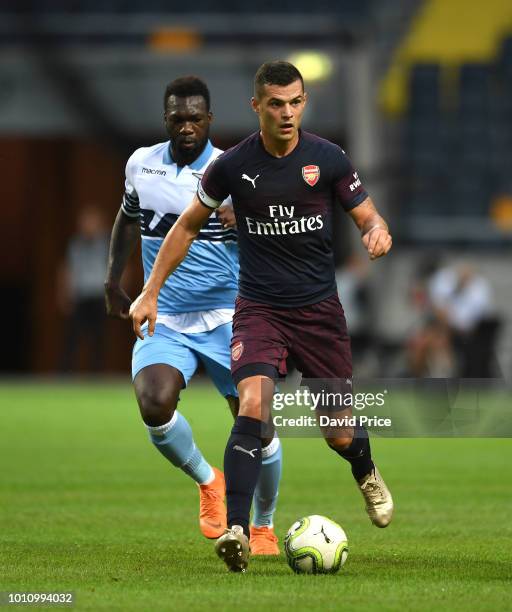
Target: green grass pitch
x=87, y=505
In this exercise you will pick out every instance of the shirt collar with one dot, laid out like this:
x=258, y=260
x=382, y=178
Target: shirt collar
x=195, y=165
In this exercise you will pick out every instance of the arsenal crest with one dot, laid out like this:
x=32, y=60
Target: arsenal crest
x=237, y=350
x=311, y=174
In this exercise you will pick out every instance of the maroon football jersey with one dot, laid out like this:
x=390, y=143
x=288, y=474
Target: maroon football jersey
x=284, y=209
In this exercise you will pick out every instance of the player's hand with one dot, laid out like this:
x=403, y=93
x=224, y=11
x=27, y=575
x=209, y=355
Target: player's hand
x=144, y=308
x=226, y=215
x=117, y=301
x=377, y=242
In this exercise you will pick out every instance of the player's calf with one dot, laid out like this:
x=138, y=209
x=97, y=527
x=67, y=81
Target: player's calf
x=355, y=449
x=263, y=539
x=378, y=500
x=157, y=388
x=242, y=466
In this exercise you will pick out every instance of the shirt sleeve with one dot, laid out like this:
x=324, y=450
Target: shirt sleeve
x=130, y=204
x=213, y=188
x=347, y=185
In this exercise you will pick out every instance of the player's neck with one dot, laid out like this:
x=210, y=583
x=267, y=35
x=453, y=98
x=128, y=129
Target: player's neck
x=278, y=148
x=182, y=159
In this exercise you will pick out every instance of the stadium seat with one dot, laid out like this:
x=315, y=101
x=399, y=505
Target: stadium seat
x=474, y=89
x=470, y=192
x=459, y=145
x=425, y=91
x=505, y=59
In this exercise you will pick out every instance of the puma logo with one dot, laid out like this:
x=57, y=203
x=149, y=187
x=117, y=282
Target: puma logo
x=327, y=539
x=248, y=178
x=244, y=450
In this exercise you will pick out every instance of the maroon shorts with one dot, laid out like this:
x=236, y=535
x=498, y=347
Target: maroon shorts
x=314, y=336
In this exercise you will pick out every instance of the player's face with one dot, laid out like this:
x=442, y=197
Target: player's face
x=280, y=109
x=187, y=121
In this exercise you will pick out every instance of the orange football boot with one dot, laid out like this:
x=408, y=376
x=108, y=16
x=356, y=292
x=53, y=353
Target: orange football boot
x=212, y=511
x=263, y=541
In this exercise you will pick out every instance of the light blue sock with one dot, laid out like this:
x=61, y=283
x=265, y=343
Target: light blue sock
x=267, y=489
x=174, y=440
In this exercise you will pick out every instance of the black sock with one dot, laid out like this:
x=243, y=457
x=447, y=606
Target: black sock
x=242, y=465
x=358, y=454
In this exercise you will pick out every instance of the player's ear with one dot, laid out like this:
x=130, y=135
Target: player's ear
x=210, y=116
x=305, y=98
x=255, y=105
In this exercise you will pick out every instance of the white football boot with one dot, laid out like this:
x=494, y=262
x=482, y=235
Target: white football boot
x=379, y=503
x=233, y=548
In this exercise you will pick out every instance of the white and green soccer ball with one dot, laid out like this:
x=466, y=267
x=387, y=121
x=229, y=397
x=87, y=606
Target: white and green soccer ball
x=316, y=545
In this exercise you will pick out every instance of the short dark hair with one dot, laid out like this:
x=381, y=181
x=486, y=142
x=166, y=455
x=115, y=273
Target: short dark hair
x=276, y=73
x=186, y=86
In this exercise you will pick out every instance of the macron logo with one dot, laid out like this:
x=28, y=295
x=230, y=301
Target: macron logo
x=248, y=178
x=244, y=450
x=153, y=171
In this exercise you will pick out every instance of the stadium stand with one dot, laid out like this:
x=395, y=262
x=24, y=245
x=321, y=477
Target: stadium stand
x=450, y=83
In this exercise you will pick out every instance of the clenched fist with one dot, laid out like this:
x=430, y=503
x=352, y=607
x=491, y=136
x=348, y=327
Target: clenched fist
x=377, y=242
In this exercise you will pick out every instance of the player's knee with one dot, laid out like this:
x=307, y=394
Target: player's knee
x=157, y=405
x=340, y=443
x=250, y=407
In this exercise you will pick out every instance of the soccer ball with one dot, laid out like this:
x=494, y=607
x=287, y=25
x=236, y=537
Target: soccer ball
x=316, y=545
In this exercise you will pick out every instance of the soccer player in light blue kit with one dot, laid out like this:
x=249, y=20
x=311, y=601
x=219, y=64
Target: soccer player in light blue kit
x=195, y=306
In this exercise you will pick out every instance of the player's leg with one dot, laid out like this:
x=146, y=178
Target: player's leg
x=355, y=449
x=263, y=539
x=157, y=388
x=242, y=466
x=322, y=351
x=258, y=356
x=213, y=349
x=161, y=368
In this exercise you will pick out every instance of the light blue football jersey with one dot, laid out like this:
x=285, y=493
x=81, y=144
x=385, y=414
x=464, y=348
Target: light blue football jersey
x=158, y=190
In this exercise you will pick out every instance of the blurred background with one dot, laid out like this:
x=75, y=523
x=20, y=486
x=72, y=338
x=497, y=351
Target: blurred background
x=419, y=94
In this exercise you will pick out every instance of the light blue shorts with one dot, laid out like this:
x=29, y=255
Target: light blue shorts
x=185, y=351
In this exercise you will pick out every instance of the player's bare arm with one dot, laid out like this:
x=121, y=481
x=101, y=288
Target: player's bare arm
x=125, y=236
x=172, y=252
x=374, y=229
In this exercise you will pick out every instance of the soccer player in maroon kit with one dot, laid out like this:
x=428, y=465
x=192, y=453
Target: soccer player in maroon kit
x=284, y=183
